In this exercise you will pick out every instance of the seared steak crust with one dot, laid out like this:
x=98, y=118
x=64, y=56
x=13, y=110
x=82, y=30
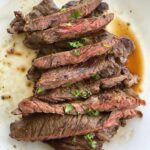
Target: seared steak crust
x=104, y=102
x=65, y=31
x=46, y=126
x=65, y=93
x=41, y=23
x=46, y=7
x=58, y=77
x=68, y=57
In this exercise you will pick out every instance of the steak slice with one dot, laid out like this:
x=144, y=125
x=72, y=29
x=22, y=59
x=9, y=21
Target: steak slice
x=75, y=56
x=60, y=76
x=104, y=102
x=84, y=8
x=46, y=7
x=91, y=86
x=68, y=30
x=80, y=143
x=46, y=126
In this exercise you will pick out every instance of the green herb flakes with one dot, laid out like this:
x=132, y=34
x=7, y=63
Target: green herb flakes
x=68, y=108
x=81, y=93
x=90, y=140
x=92, y=113
x=76, y=14
x=75, y=93
x=68, y=84
x=76, y=52
x=75, y=44
x=96, y=76
x=40, y=90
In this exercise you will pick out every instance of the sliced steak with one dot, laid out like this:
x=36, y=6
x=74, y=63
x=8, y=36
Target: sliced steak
x=122, y=50
x=75, y=56
x=89, y=87
x=84, y=8
x=104, y=102
x=80, y=142
x=68, y=31
x=46, y=7
x=124, y=114
x=60, y=76
x=46, y=126
x=132, y=79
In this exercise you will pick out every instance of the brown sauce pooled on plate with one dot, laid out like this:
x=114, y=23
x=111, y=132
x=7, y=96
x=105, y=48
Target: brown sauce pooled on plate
x=135, y=62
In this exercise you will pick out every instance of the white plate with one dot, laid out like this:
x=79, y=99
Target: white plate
x=136, y=136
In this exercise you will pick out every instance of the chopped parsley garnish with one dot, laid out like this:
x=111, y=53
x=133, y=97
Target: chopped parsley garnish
x=40, y=90
x=76, y=14
x=92, y=113
x=81, y=93
x=68, y=108
x=90, y=140
x=76, y=52
x=68, y=84
x=96, y=76
x=75, y=44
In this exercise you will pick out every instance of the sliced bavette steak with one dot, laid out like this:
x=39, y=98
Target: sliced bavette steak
x=91, y=86
x=65, y=31
x=70, y=57
x=46, y=7
x=104, y=102
x=80, y=143
x=47, y=126
x=60, y=76
x=84, y=8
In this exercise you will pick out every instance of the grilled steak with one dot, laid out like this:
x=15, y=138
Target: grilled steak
x=75, y=56
x=60, y=76
x=104, y=102
x=83, y=9
x=80, y=142
x=87, y=86
x=68, y=31
x=125, y=114
x=46, y=126
x=46, y=7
